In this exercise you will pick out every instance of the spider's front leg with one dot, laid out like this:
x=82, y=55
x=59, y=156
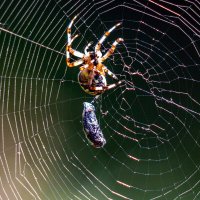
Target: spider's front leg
x=87, y=47
x=111, y=50
x=70, y=50
x=98, y=45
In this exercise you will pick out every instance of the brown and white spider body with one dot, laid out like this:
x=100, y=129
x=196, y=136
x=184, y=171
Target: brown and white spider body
x=92, y=75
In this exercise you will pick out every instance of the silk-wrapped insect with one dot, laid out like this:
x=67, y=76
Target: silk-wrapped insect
x=91, y=126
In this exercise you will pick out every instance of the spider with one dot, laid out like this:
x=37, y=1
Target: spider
x=92, y=74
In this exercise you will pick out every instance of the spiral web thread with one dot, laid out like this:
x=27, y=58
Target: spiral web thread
x=151, y=121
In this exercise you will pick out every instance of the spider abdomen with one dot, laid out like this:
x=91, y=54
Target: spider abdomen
x=98, y=81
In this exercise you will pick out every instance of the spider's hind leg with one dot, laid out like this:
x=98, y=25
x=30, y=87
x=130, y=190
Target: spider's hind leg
x=111, y=86
x=70, y=40
x=111, y=74
x=104, y=88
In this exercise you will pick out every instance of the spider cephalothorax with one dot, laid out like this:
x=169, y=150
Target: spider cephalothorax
x=92, y=72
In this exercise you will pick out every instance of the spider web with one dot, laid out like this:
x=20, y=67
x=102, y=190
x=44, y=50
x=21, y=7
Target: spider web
x=151, y=122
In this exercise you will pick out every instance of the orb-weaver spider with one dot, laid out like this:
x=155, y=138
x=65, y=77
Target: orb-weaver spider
x=92, y=73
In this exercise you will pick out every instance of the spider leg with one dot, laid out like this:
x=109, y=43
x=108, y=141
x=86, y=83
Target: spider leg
x=111, y=50
x=87, y=47
x=108, y=87
x=106, y=34
x=75, y=63
x=110, y=73
x=69, y=48
x=86, y=66
x=111, y=86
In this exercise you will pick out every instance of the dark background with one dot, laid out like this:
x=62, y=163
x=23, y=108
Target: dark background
x=44, y=153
